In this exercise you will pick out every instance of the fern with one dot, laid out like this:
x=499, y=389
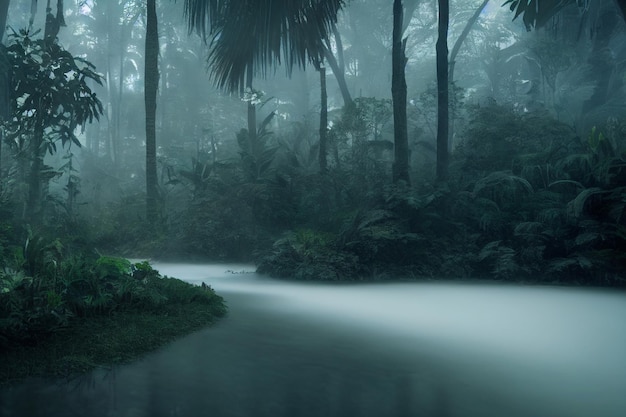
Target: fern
x=531, y=231
x=502, y=178
x=585, y=239
x=576, y=207
x=503, y=188
x=490, y=249
x=576, y=261
x=569, y=183
x=505, y=265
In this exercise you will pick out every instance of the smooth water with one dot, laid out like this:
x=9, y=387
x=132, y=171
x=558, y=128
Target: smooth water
x=385, y=350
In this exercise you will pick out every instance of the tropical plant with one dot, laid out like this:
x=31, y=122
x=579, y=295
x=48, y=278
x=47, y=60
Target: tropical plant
x=256, y=34
x=536, y=13
x=51, y=97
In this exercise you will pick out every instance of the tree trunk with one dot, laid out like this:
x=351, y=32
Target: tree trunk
x=622, y=6
x=323, y=120
x=33, y=202
x=151, y=86
x=452, y=63
x=442, y=91
x=4, y=12
x=339, y=76
x=33, y=13
x=252, y=133
x=398, y=93
x=338, y=65
x=4, y=79
x=602, y=62
x=53, y=23
x=111, y=110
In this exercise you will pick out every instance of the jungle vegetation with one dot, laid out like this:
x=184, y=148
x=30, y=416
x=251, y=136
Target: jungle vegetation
x=322, y=140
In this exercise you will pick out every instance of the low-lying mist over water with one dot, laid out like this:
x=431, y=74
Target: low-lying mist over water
x=338, y=145
x=389, y=349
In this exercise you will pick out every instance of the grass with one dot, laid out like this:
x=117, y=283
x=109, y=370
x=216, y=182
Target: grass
x=104, y=341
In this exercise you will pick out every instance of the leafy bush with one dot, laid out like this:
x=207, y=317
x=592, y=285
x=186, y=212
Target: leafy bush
x=309, y=255
x=50, y=289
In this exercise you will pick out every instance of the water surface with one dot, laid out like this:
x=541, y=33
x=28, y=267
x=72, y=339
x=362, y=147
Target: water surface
x=394, y=349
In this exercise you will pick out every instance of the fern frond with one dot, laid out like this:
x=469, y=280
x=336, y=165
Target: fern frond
x=585, y=239
x=576, y=261
x=528, y=229
x=567, y=183
x=490, y=249
x=552, y=216
x=502, y=178
x=576, y=207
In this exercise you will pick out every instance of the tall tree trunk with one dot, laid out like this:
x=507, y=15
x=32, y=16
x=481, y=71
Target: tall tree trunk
x=442, y=91
x=37, y=151
x=452, y=63
x=151, y=78
x=111, y=112
x=602, y=62
x=33, y=202
x=338, y=65
x=33, y=13
x=323, y=120
x=53, y=23
x=398, y=93
x=4, y=12
x=252, y=126
x=4, y=79
x=340, y=76
x=622, y=6
x=114, y=44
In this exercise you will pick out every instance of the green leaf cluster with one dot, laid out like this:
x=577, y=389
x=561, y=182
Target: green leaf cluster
x=50, y=91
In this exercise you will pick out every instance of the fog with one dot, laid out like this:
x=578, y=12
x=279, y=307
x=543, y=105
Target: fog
x=398, y=349
x=409, y=212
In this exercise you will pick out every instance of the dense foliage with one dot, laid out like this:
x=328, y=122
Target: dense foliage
x=42, y=289
x=527, y=199
x=535, y=191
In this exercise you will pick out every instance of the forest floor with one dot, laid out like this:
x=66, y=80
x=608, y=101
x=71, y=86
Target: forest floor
x=102, y=342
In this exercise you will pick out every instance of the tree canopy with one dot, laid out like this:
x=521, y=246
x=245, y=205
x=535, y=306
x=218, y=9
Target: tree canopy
x=260, y=34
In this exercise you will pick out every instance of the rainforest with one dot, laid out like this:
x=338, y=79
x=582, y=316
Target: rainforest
x=339, y=170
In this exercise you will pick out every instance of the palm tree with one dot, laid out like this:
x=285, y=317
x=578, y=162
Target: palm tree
x=258, y=34
x=537, y=13
x=249, y=36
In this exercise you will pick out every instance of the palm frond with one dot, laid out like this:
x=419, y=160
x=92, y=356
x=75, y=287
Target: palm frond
x=261, y=34
x=536, y=13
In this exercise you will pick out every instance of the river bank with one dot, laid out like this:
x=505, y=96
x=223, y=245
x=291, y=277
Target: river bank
x=364, y=350
x=137, y=312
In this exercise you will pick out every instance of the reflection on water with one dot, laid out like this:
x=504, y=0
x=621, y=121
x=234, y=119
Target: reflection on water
x=399, y=349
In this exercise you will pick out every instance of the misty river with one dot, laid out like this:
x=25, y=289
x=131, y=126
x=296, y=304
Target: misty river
x=378, y=349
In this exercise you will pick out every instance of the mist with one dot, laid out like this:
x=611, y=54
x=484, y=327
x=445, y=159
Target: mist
x=321, y=207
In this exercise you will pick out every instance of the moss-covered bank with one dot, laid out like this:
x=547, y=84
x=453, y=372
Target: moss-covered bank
x=71, y=316
x=101, y=342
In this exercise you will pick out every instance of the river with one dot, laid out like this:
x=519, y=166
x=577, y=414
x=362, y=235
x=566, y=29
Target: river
x=401, y=349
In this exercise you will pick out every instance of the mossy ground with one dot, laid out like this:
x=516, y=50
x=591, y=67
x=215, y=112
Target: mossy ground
x=89, y=343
